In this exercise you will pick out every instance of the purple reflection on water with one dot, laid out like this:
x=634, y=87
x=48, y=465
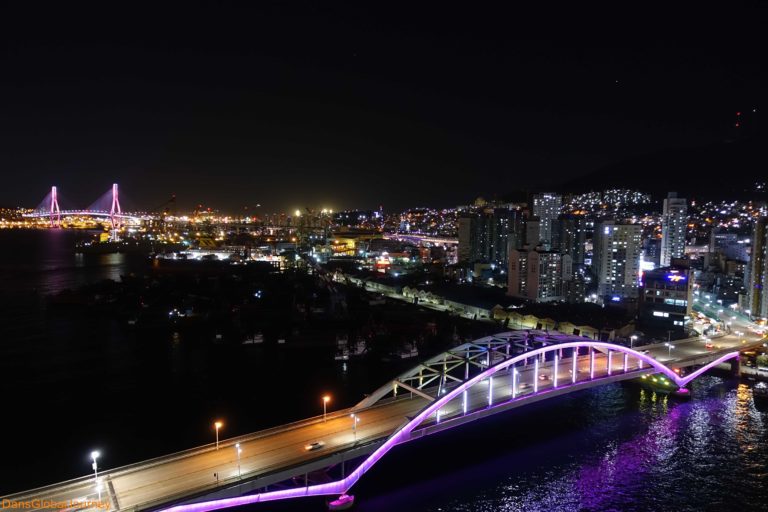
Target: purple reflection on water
x=635, y=463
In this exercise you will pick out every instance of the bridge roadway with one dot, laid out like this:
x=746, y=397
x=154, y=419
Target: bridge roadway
x=88, y=213
x=172, y=478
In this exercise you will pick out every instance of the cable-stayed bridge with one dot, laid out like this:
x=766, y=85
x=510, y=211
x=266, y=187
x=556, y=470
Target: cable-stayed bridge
x=106, y=207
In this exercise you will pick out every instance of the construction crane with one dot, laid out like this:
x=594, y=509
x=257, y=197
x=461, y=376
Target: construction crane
x=167, y=208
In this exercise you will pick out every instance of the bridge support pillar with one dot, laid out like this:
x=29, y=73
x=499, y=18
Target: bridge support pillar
x=736, y=366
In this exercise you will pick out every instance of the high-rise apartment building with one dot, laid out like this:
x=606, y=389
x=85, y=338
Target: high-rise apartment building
x=537, y=275
x=546, y=207
x=757, y=279
x=489, y=234
x=674, y=222
x=616, y=258
x=569, y=237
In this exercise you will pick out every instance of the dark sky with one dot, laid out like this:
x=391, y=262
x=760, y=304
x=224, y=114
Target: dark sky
x=293, y=105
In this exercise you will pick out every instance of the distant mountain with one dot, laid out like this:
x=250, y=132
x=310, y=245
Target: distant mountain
x=726, y=170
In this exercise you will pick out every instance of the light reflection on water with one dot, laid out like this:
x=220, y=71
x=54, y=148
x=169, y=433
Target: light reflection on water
x=45, y=262
x=639, y=451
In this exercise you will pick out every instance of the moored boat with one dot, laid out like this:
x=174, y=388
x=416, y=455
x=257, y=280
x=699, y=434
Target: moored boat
x=343, y=502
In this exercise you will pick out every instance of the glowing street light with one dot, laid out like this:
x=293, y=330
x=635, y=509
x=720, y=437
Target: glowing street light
x=326, y=399
x=355, y=421
x=632, y=340
x=239, y=451
x=95, y=455
x=218, y=425
x=669, y=349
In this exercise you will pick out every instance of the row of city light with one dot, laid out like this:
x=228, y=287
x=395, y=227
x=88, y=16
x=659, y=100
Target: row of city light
x=217, y=425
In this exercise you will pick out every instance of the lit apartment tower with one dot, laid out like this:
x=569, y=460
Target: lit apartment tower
x=616, y=259
x=674, y=221
x=489, y=234
x=465, y=237
x=517, y=274
x=757, y=281
x=537, y=275
x=569, y=237
x=532, y=231
x=546, y=207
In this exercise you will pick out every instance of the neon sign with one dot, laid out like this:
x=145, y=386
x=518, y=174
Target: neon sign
x=675, y=278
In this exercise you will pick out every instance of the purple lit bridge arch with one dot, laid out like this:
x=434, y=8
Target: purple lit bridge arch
x=502, y=380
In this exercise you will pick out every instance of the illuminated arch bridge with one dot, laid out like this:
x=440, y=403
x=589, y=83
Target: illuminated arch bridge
x=480, y=378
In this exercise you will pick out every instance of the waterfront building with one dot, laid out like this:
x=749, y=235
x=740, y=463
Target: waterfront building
x=666, y=297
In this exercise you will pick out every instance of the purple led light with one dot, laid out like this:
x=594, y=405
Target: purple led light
x=340, y=487
x=575, y=369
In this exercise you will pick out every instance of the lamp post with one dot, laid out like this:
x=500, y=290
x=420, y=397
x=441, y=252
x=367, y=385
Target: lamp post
x=239, y=451
x=632, y=340
x=669, y=349
x=326, y=399
x=355, y=421
x=218, y=425
x=95, y=455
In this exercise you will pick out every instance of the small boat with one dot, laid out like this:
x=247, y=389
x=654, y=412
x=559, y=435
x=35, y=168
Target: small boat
x=760, y=393
x=256, y=338
x=657, y=383
x=343, y=502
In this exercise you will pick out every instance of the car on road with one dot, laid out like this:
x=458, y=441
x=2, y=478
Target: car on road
x=314, y=446
x=543, y=376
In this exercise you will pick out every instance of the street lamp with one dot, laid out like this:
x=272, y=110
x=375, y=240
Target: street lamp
x=669, y=349
x=326, y=399
x=355, y=421
x=95, y=455
x=239, y=451
x=218, y=425
x=632, y=340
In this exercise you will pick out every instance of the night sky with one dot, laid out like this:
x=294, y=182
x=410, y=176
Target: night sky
x=293, y=105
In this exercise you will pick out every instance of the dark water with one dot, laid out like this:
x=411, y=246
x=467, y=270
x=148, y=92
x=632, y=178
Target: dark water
x=77, y=380
x=72, y=384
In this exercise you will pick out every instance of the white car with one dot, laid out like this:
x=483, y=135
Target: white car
x=314, y=446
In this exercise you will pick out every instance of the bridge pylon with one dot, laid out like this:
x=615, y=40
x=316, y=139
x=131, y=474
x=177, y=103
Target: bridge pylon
x=55, y=212
x=115, y=211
